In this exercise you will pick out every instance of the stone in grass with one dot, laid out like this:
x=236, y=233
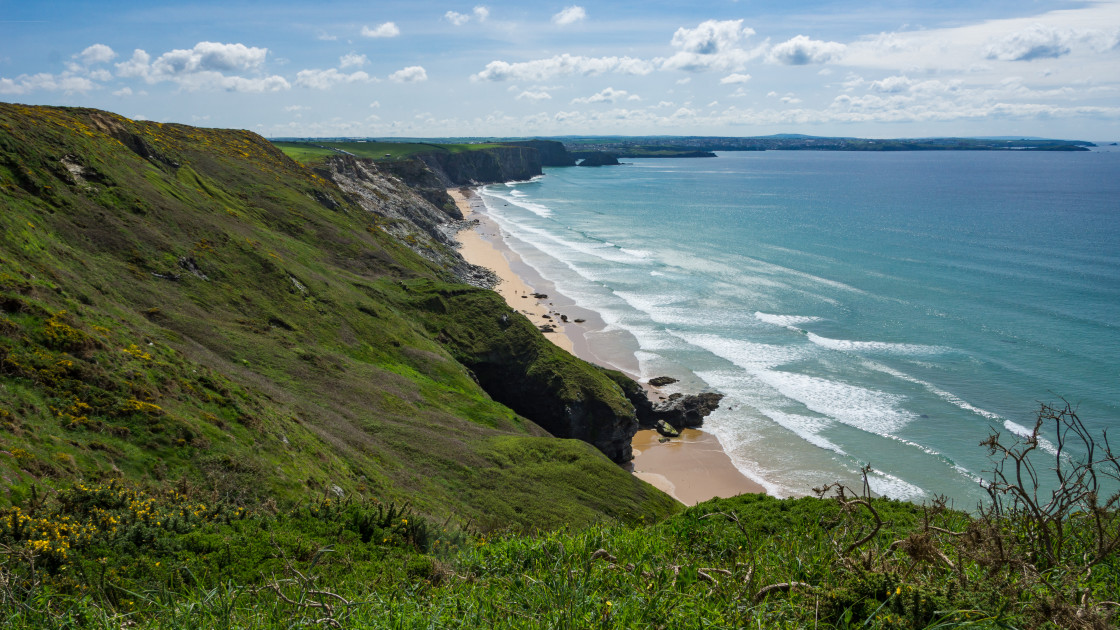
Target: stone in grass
x=666, y=429
x=662, y=380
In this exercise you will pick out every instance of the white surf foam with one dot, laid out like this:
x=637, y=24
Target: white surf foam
x=1025, y=433
x=786, y=321
x=948, y=397
x=888, y=485
x=873, y=347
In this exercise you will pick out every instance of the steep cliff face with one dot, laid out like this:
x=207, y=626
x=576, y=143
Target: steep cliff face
x=552, y=153
x=519, y=368
x=410, y=215
x=498, y=164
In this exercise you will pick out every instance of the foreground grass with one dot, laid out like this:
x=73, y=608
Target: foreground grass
x=117, y=556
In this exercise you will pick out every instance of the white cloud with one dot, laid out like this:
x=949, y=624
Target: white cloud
x=570, y=15
x=204, y=66
x=411, y=74
x=125, y=91
x=561, y=65
x=891, y=85
x=388, y=29
x=456, y=18
x=734, y=78
x=479, y=13
x=97, y=53
x=352, y=59
x=325, y=36
x=608, y=95
x=216, y=80
x=684, y=81
x=296, y=108
x=711, y=37
x=210, y=57
x=375, y=104
x=1038, y=41
x=534, y=95
x=136, y=66
x=712, y=44
x=802, y=50
x=43, y=81
x=325, y=79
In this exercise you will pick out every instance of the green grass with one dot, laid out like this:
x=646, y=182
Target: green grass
x=177, y=560
x=310, y=152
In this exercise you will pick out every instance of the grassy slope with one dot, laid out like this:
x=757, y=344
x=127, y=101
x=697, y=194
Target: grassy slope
x=296, y=364
x=172, y=561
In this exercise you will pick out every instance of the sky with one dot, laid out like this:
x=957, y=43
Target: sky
x=880, y=69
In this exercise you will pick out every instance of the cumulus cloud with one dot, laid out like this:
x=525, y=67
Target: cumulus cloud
x=734, y=78
x=891, y=85
x=325, y=79
x=388, y=29
x=802, y=50
x=712, y=44
x=480, y=13
x=570, y=15
x=561, y=65
x=534, y=95
x=1037, y=41
x=411, y=74
x=456, y=18
x=43, y=81
x=352, y=59
x=205, y=67
x=608, y=95
x=97, y=53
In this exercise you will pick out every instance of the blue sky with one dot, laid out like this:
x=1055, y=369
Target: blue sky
x=754, y=67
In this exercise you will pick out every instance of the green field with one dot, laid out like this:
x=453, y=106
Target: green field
x=308, y=152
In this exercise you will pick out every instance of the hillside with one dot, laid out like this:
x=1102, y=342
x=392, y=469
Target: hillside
x=185, y=305
x=236, y=392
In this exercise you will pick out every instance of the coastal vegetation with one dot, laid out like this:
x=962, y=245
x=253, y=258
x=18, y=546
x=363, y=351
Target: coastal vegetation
x=236, y=391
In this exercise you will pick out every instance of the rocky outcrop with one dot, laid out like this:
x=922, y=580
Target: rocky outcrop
x=408, y=214
x=423, y=181
x=552, y=153
x=598, y=158
x=681, y=411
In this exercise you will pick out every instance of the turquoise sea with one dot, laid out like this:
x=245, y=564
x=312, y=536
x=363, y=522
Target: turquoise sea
x=854, y=308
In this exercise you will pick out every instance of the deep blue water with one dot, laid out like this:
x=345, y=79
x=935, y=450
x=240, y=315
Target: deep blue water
x=854, y=308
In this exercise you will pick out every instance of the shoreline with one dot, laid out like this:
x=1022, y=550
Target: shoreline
x=692, y=468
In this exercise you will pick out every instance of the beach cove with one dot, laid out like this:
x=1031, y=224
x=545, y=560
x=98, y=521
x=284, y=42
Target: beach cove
x=691, y=468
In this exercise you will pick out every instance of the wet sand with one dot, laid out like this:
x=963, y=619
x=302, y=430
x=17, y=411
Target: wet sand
x=691, y=468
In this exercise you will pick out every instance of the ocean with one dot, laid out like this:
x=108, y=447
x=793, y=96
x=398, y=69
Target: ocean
x=854, y=308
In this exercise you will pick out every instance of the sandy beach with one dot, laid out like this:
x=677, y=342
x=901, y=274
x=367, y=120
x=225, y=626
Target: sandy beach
x=692, y=468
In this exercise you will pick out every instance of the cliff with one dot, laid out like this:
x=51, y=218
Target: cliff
x=190, y=306
x=552, y=152
x=481, y=166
